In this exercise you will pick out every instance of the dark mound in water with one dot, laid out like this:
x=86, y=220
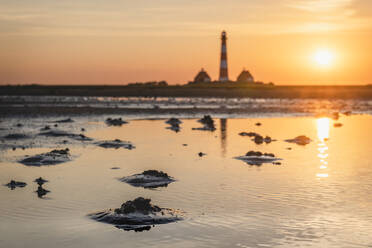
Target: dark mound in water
x=115, y=122
x=149, y=179
x=140, y=205
x=138, y=214
x=14, y=184
x=300, y=140
x=81, y=137
x=249, y=134
x=116, y=144
x=46, y=128
x=55, y=133
x=201, y=154
x=68, y=120
x=258, y=158
x=16, y=136
x=174, y=124
x=173, y=121
x=50, y=158
x=208, y=123
x=41, y=192
x=40, y=181
x=258, y=139
x=175, y=127
x=60, y=133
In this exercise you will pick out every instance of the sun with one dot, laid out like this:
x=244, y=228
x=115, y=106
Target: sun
x=323, y=58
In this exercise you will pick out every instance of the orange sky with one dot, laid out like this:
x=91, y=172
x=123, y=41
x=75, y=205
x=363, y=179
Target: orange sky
x=117, y=41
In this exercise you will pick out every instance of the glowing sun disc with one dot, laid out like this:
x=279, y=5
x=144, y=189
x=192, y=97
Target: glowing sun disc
x=323, y=57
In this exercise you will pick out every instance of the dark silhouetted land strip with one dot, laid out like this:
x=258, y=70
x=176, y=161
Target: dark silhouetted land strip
x=208, y=90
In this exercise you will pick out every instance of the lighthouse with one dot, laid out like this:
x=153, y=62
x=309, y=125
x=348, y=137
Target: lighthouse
x=224, y=76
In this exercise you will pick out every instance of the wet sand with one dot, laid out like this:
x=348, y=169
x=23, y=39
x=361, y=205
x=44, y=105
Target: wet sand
x=229, y=90
x=319, y=196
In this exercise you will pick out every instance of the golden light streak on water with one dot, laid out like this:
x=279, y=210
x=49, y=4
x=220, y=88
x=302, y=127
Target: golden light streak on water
x=323, y=128
x=322, y=125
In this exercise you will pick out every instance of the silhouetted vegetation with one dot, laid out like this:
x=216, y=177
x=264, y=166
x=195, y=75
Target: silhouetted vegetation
x=150, y=83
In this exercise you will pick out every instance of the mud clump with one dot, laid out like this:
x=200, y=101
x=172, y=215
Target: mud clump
x=46, y=128
x=16, y=136
x=115, y=122
x=300, y=140
x=149, y=179
x=259, y=154
x=174, y=127
x=41, y=192
x=201, y=154
x=81, y=137
x=174, y=124
x=117, y=143
x=208, y=124
x=60, y=133
x=258, y=158
x=68, y=120
x=40, y=181
x=55, y=133
x=50, y=158
x=249, y=134
x=257, y=138
x=137, y=215
x=173, y=121
x=155, y=173
x=140, y=205
x=14, y=184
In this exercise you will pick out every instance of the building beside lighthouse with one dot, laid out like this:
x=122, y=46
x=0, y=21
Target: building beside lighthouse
x=202, y=77
x=244, y=77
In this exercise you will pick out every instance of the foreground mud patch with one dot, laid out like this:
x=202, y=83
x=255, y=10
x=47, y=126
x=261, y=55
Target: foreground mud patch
x=137, y=215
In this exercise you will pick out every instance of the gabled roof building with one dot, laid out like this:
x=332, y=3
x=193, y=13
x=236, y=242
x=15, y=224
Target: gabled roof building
x=245, y=77
x=202, y=77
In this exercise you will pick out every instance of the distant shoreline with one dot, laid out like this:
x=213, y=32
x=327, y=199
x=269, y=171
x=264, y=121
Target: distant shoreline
x=203, y=90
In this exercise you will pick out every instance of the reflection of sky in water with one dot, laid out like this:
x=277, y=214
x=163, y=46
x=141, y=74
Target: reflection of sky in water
x=307, y=201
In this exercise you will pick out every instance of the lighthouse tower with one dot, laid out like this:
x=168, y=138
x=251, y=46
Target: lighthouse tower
x=223, y=65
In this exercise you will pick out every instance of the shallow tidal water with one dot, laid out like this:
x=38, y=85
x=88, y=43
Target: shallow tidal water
x=320, y=195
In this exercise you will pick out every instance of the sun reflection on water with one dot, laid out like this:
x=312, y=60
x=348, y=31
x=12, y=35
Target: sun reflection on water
x=323, y=128
x=323, y=135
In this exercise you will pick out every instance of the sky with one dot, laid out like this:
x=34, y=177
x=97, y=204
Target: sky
x=288, y=42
